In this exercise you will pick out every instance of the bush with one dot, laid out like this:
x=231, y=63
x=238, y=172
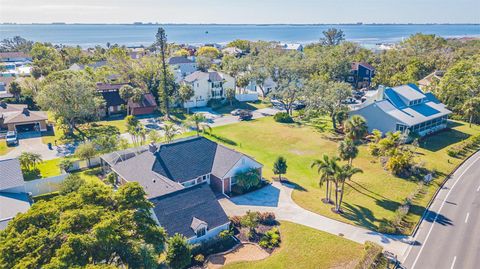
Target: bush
x=216, y=103
x=199, y=258
x=236, y=221
x=271, y=239
x=178, y=253
x=283, y=117
x=267, y=218
x=72, y=183
x=216, y=245
x=373, y=257
x=248, y=180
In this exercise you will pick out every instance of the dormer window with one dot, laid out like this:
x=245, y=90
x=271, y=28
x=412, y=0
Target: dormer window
x=199, y=227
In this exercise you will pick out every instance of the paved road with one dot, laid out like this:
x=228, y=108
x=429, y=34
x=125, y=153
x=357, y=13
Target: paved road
x=449, y=237
x=277, y=198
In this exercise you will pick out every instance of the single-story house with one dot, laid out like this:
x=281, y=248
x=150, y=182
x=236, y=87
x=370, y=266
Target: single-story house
x=206, y=86
x=234, y=51
x=15, y=57
x=17, y=117
x=13, y=199
x=404, y=108
x=146, y=106
x=180, y=178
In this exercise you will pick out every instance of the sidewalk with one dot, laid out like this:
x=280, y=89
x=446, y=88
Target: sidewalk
x=277, y=198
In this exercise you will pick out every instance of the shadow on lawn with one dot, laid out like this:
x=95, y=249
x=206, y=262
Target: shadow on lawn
x=443, y=139
x=360, y=215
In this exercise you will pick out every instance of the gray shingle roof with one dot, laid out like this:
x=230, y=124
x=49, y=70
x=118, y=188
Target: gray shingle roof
x=180, y=161
x=10, y=174
x=179, y=60
x=10, y=205
x=199, y=75
x=409, y=92
x=176, y=212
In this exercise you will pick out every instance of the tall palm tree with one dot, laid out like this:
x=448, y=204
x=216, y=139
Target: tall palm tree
x=326, y=167
x=342, y=174
x=355, y=128
x=199, y=122
x=347, y=150
x=29, y=160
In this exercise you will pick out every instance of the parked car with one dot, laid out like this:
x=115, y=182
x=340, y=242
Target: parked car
x=245, y=115
x=11, y=138
x=236, y=112
x=297, y=105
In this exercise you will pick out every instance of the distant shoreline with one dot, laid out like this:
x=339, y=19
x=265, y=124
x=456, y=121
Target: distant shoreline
x=242, y=24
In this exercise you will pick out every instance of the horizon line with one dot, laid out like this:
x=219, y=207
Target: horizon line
x=172, y=23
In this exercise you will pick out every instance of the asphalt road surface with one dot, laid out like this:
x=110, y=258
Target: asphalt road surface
x=449, y=236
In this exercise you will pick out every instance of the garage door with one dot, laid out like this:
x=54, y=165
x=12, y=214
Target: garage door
x=23, y=128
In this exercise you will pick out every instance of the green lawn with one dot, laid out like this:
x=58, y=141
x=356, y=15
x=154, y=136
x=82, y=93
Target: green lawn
x=4, y=149
x=243, y=105
x=370, y=197
x=90, y=175
x=303, y=247
x=46, y=169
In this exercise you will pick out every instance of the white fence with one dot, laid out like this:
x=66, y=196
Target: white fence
x=249, y=96
x=44, y=185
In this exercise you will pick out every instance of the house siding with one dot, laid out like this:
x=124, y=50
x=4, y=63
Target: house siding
x=142, y=110
x=377, y=119
x=211, y=234
x=216, y=183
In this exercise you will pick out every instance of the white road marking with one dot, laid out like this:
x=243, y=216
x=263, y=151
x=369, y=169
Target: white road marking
x=466, y=218
x=436, y=215
x=453, y=263
x=478, y=189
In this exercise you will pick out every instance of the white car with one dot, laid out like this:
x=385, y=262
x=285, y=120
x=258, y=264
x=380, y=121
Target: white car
x=12, y=138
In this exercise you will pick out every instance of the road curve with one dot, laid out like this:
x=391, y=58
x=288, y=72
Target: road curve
x=449, y=236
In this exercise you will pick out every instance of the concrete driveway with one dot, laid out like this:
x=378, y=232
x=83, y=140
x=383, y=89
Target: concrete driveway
x=33, y=144
x=277, y=198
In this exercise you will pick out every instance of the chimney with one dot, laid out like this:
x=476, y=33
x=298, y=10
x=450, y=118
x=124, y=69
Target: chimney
x=152, y=147
x=26, y=111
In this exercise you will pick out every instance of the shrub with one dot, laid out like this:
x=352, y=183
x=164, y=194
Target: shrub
x=216, y=103
x=236, y=221
x=72, y=183
x=271, y=239
x=178, y=253
x=283, y=117
x=267, y=218
x=250, y=220
x=373, y=257
x=248, y=180
x=199, y=258
x=216, y=245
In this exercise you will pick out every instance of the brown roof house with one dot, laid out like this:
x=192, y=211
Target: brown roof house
x=180, y=179
x=146, y=106
x=17, y=117
x=111, y=94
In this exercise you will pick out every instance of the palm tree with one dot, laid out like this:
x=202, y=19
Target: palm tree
x=342, y=174
x=326, y=168
x=29, y=160
x=199, y=122
x=347, y=150
x=126, y=92
x=355, y=128
x=170, y=132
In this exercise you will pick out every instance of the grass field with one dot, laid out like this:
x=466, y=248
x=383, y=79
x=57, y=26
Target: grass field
x=243, y=105
x=303, y=247
x=370, y=198
x=46, y=169
x=4, y=149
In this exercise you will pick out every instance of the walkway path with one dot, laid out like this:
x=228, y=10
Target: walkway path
x=277, y=198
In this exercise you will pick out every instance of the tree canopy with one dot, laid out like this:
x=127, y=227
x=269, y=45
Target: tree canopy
x=89, y=226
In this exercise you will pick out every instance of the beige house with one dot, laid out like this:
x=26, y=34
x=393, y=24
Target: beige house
x=17, y=117
x=207, y=85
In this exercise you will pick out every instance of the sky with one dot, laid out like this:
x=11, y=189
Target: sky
x=240, y=11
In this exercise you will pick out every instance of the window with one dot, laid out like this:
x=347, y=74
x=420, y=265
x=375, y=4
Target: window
x=201, y=231
x=189, y=183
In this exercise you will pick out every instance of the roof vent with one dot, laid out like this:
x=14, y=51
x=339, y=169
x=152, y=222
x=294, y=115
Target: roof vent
x=154, y=180
x=26, y=111
x=152, y=148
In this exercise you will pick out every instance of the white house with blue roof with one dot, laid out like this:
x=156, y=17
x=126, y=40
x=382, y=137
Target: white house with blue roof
x=403, y=108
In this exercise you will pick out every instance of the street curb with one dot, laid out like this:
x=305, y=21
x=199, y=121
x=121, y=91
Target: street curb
x=417, y=226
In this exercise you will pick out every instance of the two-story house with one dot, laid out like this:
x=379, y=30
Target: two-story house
x=404, y=108
x=361, y=75
x=206, y=86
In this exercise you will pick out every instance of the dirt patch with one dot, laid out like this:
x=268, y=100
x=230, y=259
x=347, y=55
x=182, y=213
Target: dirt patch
x=301, y=152
x=245, y=252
